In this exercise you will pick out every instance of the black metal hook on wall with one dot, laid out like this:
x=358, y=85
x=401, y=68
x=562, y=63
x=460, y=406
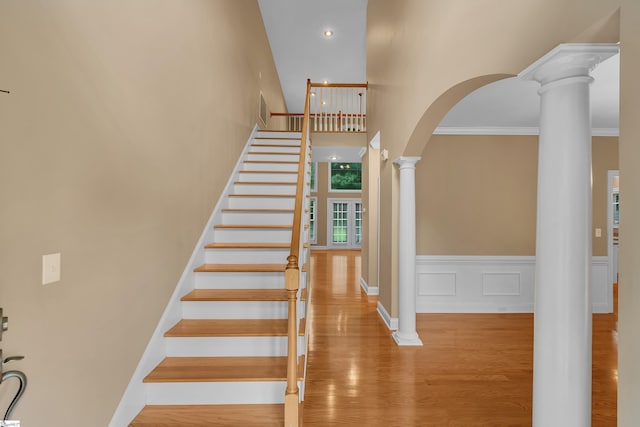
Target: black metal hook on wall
x=4, y=91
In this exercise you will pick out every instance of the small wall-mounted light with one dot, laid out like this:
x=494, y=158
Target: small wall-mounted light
x=326, y=82
x=313, y=94
x=328, y=33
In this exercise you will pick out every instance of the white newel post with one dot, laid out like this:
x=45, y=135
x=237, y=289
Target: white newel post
x=562, y=319
x=406, y=333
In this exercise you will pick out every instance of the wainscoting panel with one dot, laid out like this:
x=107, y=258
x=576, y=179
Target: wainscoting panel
x=491, y=284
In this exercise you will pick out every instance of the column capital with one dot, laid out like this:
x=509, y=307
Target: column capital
x=568, y=60
x=406, y=162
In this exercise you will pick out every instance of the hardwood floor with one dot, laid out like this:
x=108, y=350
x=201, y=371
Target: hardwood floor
x=473, y=370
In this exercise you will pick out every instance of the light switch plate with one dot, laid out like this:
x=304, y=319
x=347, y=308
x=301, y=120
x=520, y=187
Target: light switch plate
x=50, y=268
x=598, y=232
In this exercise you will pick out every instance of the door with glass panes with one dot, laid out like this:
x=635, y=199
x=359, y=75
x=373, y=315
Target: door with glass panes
x=344, y=225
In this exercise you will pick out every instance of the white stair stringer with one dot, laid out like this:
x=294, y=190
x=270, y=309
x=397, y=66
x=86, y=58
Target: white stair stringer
x=260, y=192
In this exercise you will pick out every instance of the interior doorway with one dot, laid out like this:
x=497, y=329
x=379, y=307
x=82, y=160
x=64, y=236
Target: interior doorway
x=344, y=227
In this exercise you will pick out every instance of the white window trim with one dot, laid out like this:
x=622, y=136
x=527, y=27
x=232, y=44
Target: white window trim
x=313, y=200
x=314, y=178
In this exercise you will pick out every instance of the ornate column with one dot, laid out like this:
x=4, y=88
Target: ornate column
x=562, y=323
x=406, y=333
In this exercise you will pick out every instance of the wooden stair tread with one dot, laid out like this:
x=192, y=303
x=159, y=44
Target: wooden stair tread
x=267, y=226
x=218, y=369
x=275, y=153
x=209, y=416
x=263, y=183
x=276, y=145
x=273, y=161
x=268, y=171
x=284, y=138
x=228, y=328
x=302, y=326
x=256, y=210
x=243, y=245
x=236, y=295
x=263, y=195
x=246, y=268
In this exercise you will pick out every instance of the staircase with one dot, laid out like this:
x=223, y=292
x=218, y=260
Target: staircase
x=219, y=356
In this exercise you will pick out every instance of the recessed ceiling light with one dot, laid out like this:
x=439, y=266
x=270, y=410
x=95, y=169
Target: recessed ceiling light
x=325, y=81
x=328, y=33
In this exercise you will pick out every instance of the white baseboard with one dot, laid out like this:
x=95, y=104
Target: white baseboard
x=391, y=322
x=492, y=284
x=369, y=290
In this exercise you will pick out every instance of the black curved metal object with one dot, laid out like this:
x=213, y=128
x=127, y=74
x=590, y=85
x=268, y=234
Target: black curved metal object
x=23, y=385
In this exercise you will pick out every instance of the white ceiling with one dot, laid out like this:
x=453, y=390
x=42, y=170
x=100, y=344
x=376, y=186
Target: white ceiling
x=300, y=50
x=295, y=29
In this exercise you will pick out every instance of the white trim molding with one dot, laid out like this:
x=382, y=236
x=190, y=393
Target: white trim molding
x=369, y=290
x=391, y=322
x=492, y=284
x=509, y=130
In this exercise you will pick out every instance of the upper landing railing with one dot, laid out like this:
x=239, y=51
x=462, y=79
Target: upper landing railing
x=333, y=107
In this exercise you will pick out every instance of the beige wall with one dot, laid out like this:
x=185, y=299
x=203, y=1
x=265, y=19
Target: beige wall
x=477, y=194
x=323, y=193
x=340, y=139
x=629, y=296
x=122, y=126
x=424, y=56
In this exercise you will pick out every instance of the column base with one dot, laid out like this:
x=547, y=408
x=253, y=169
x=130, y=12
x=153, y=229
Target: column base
x=412, y=339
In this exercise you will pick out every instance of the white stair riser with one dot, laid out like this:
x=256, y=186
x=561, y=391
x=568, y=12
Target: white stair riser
x=228, y=346
x=250, y=235
x=246, y=256
x=239, y=281
x=279, y=218
x=261, y=202
x=283, y=134
x=267, y=177
x=266, y=148
x=288, y=188
x=212, y=393
x=234, y=309
x=270, y=166
x=274, y=157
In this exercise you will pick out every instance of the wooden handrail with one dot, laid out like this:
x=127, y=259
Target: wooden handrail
x=316, y=114
x=292, y=280
x=364, y=85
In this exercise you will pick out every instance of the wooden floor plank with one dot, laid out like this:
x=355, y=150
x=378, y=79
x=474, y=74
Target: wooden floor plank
x=228, y=328
x=473, y=370
x=210, y=416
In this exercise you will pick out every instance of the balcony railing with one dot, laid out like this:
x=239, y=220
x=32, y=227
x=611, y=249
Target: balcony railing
x=333, y=107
